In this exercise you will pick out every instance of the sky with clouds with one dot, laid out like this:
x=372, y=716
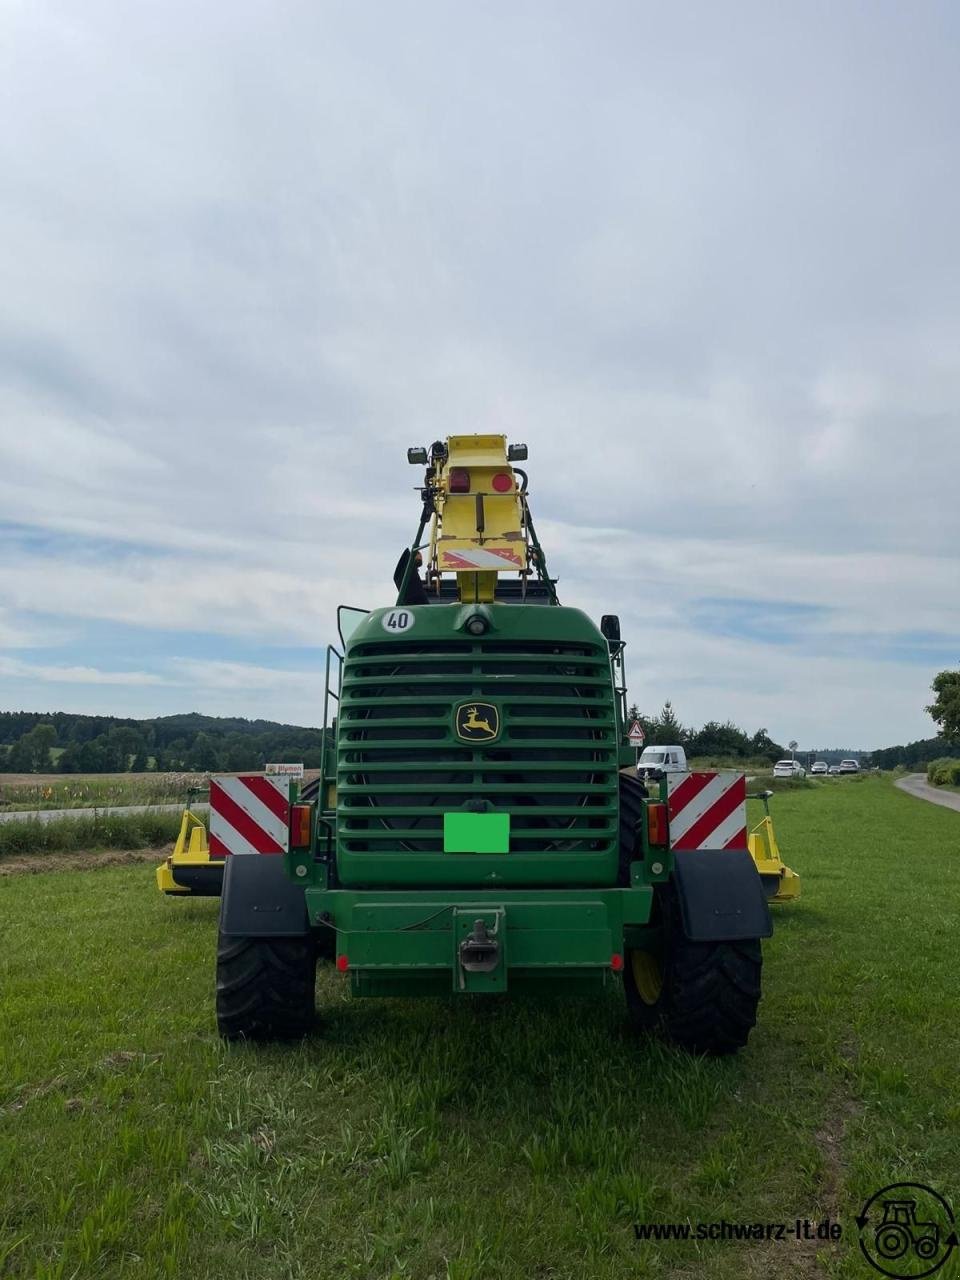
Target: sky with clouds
x=703, y=258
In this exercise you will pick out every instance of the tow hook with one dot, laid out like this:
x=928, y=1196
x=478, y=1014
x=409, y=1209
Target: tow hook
x=479, y=953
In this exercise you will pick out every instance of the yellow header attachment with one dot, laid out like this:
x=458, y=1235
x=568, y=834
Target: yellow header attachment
x=477, y=530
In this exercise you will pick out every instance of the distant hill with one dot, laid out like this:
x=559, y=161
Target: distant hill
x=33, y=741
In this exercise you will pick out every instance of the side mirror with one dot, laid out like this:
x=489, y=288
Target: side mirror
x=610, y=627
x=401, y=567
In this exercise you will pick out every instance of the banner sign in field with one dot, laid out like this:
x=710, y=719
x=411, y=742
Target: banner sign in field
x=249, y=814
x=707, y=810
x=286, y=770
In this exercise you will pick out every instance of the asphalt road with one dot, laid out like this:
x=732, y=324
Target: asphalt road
x=916, y=784
x=50, y=815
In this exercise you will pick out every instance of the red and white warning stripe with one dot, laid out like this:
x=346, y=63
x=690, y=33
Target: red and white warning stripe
x=707, y=811
x=249, y=814
x=481, y=558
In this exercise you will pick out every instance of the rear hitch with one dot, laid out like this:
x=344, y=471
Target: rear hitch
x=479, y=953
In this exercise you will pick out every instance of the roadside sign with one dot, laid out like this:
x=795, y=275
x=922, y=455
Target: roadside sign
x=636, y=734
x=285, y=770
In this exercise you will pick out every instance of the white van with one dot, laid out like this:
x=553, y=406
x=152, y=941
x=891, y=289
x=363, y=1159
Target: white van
x=656, y=762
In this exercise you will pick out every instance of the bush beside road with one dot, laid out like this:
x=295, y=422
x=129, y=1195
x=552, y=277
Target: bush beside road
x=150, y=829
x=944, y=773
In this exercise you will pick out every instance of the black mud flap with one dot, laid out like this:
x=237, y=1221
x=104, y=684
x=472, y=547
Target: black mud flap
x=203, y=879
x=260, y=900
x=721, y=895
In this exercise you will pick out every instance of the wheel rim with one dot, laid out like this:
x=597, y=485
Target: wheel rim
x=892, y=1242
x=647, y=976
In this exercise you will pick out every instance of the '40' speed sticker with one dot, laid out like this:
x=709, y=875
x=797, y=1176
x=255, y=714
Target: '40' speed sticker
x=398, y=620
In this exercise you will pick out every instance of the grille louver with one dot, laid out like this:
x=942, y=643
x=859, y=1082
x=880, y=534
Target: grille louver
x=400, y=764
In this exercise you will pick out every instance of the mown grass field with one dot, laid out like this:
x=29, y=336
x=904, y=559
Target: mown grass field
x=469, y=1141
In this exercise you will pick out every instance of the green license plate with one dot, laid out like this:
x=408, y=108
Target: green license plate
x=476, y=833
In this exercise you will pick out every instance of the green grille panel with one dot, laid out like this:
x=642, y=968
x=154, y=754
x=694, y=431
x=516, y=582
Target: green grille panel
x=553, y=767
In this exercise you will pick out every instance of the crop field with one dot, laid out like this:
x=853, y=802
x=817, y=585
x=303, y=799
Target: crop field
x=470, y=1140
x=94, y=790
x=32, y=791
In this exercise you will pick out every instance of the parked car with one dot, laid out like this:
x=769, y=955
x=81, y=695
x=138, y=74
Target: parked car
x=789, y=769
x=656, y=762
x=834, y=768
x=819, y=766
x=849, y=766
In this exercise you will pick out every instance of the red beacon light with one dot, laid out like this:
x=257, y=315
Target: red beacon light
x=458, y=480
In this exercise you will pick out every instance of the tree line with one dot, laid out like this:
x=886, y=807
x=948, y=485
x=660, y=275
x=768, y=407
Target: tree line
x=64, y=743
x=945, y=713
x=716, y=739
x=713, y=739
x=60, y=741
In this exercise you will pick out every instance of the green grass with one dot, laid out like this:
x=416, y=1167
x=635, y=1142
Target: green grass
x=88, y=831
x=464, y=1140
x=767, y=782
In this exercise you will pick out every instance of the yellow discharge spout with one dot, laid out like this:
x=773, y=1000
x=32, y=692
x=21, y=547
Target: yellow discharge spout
x=478, y=530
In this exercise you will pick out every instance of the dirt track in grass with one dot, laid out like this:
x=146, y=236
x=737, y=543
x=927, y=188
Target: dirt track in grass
x=79, y=860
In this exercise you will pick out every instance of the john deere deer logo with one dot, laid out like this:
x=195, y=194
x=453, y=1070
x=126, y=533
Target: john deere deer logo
x=477, y=721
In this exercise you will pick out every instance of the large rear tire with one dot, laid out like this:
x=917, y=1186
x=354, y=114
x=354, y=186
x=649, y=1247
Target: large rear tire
x=702, y=995
x=310, y=791
x=265, y=987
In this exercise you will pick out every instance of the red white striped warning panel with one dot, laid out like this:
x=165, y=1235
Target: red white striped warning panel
x=707, y=810
x=481, y=558
x=249, y=814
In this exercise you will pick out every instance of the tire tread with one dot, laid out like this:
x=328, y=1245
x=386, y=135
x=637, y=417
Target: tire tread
x=265, y=987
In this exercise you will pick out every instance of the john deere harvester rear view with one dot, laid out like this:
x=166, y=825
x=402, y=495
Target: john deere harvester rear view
x=472, y=831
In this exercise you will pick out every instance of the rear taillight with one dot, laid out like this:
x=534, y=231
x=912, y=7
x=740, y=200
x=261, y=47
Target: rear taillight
x=459, y=480
x=300, y=826
x=656, y=825
x=502, y=482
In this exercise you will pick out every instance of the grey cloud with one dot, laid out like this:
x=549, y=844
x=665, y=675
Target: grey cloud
x=701, y=257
